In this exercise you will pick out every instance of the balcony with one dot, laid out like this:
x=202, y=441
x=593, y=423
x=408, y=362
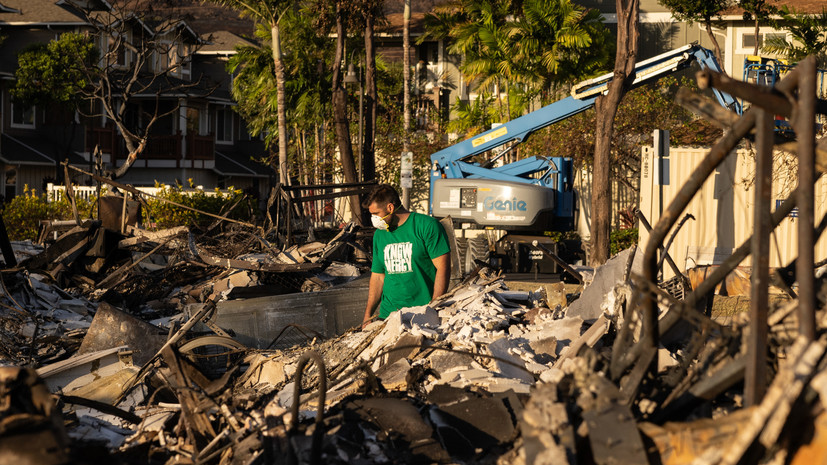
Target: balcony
x=200, y=147
x=158, y=147
x=163, y=147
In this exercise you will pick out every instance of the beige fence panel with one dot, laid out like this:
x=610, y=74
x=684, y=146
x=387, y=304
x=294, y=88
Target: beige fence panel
x=722, y=208
x=623, y=198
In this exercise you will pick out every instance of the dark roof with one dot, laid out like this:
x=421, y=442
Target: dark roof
x=394, y=24
x=168, y=86
x=204, y=17
x=32, y=150
x=394, y=10
x=221, y=43
x=237, y=160
x=38, y=12
x=800, y=6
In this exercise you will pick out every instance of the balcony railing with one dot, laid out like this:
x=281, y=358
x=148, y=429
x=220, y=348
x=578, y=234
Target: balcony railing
x=163, y=147
x=158, y=147
x=200, y=147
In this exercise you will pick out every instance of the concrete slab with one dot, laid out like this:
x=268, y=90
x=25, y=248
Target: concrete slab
x=606, y=277
x=501, y=349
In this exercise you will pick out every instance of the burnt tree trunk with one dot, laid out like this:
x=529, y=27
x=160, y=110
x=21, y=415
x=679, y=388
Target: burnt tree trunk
x=369, y=125
x=605, y=110
x=340, y=120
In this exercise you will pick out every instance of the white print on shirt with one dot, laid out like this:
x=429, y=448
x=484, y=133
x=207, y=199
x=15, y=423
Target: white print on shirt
x=398, y=258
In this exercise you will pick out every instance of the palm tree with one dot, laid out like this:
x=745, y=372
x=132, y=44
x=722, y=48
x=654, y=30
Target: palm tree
x=809, y=36
x=270, y=13
x=558, y=42
x=477, y=31
x=307, y=96
x=538, y=43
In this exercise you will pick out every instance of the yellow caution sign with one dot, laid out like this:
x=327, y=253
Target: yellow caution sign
x=500, y=131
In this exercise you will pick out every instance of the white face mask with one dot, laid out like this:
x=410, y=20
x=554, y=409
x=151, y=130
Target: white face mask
x=378, y=222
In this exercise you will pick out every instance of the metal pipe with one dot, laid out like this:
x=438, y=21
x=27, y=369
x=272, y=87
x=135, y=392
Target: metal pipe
x=664, y=254
x=316, y=450
x=804, y=124
x=687, y=217
x=755, y=379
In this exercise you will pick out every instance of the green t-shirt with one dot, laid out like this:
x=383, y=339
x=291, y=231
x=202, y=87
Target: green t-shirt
x=404, y=256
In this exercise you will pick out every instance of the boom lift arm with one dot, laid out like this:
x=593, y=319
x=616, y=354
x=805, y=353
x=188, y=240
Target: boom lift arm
x=453, y=163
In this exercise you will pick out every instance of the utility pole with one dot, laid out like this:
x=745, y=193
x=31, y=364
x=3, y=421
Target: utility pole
x=406, y=90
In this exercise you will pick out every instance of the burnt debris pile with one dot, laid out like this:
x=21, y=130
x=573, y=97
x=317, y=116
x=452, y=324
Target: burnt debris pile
x=167, y=347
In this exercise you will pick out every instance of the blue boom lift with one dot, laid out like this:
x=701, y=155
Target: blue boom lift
x=535, y=193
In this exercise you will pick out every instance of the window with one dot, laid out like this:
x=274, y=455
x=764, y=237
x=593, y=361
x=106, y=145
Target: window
x=177, y=59
x=165, y=57
x=224, y=125
x=747, y=43
x=184, y=59
x=22, y=115
x=193, y=121
x=116, y=49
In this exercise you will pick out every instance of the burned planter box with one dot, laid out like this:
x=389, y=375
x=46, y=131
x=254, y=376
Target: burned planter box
x=259, y=321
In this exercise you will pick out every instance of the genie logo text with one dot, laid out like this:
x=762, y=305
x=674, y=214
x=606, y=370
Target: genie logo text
x=492, y=203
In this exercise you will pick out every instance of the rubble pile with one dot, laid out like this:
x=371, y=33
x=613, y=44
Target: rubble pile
x=50, y=299
x=483, y=374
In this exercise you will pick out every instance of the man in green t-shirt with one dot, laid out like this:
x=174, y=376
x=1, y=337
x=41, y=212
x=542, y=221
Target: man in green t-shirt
x=411, y=260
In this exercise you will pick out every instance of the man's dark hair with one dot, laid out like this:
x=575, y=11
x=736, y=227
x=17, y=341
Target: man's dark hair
x=383, y=194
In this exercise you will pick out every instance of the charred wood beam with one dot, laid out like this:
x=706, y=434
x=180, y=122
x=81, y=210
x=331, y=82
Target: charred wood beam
x=716, y=156
x=773, y=99
x=756, y=367
x=101, y=407
x=803, y=119
x=766, y=97
x=707, y=108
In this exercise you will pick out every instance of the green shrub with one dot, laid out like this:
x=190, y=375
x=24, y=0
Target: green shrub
x=166, y=215
x=23, y=214
x=622, y=239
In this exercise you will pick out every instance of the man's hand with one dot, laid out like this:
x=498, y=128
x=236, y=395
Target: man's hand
x=377, y=282
x=368, y=321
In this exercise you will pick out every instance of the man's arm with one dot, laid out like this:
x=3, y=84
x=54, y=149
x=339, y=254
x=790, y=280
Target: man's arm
x=443, y=274
x=377, y=281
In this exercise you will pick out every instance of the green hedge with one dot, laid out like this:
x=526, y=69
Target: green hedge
x=23, y=213
x=166, y=215
x=622, y=239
